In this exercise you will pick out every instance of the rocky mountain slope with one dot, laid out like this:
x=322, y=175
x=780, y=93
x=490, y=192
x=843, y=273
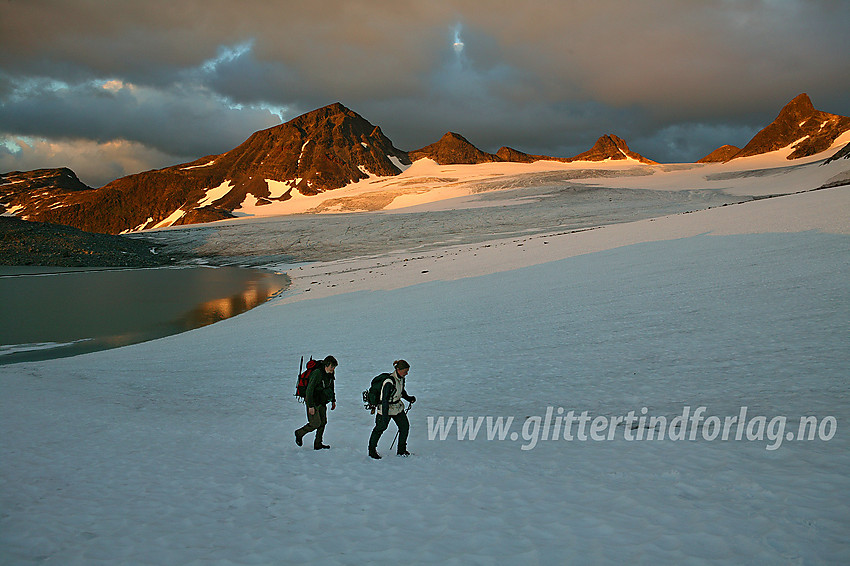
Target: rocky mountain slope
x=721, y=154
x=610, y=147
x=322, y=150
x=516, y=156
x=24, y=191
x=453, y=149
x=799, y=124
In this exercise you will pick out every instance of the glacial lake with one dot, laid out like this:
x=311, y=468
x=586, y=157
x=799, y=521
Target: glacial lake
x=55, y=312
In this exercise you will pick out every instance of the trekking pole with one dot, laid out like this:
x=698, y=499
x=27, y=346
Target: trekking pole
x=409, y=405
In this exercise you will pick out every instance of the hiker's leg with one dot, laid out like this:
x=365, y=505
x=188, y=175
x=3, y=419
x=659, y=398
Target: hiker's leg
x=322, y=414
x=381, y=424
x=314, y=421
x=403, y=429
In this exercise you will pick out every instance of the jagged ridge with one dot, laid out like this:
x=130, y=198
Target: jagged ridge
x=454, y=149
x=322, y=150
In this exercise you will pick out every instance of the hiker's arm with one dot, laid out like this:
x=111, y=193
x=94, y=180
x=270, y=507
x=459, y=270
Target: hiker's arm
x=408, y=398
x=386, y=393
x=310, y=394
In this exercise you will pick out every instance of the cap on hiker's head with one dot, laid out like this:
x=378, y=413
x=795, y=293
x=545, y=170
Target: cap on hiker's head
x=401, y=364
x=330, y=361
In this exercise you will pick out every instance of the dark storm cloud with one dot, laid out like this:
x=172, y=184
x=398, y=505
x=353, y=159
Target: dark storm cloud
x=172, y=121
x=676, y=79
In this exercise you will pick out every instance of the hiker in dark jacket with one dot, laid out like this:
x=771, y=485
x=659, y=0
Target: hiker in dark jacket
x=320, y=392
x=391, y=407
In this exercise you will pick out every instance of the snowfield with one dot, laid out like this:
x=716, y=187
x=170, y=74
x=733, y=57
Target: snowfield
x=181, y=451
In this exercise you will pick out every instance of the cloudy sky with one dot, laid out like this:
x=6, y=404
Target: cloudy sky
x=114, y=87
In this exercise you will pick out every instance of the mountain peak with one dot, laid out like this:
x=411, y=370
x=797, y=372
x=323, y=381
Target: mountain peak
x=801, y=105
x=325, y=149
x=515, y=156
x=453, y=149
x=451, y=137
x=610, y=146
x=335, y=109
x=810, y=131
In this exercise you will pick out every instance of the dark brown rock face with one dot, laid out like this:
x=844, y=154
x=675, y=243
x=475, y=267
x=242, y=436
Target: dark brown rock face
x=721, y=154
x=25, y=191
x=610, y=147
x=515, y=156
x=42, y=179
x=811, y=131
x=322, y=150
x=39, y=192
x=454, y=149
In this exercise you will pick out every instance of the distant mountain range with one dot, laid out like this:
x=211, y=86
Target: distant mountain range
x=319, y=151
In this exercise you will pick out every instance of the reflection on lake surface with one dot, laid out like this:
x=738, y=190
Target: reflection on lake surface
x=220, y=309
x=65, y=313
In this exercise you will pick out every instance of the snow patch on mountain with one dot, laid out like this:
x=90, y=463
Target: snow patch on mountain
x=171, y=219
x=207, y=164
x=215, y=193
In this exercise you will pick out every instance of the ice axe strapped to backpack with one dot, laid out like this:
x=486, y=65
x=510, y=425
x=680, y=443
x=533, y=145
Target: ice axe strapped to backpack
x=304, y=377
x=372, y=396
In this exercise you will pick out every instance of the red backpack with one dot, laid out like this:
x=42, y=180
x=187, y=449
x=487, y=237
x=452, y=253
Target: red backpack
x=304, y=377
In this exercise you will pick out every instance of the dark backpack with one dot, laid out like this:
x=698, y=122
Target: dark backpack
x=372, y=396
x=304, y=377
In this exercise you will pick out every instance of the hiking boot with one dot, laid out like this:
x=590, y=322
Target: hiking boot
x=320, y=446
x=403, y=453
x=374, y=454
x=298, y=440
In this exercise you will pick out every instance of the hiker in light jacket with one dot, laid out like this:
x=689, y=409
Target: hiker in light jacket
x=391, y=407
x=320, y=392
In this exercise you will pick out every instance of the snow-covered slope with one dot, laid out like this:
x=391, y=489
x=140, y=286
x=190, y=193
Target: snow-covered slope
x=180, y=450
x=441, y=187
